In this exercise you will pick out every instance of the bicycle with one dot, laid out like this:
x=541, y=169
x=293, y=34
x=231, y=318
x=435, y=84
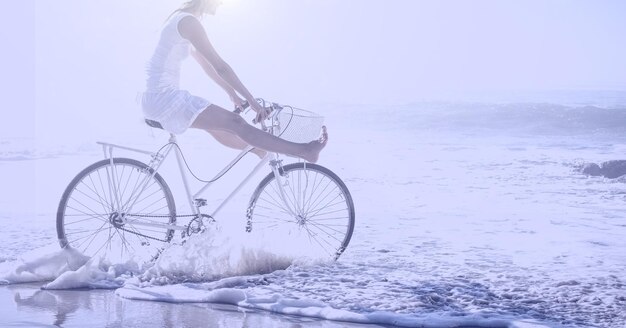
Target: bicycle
x=124, y=205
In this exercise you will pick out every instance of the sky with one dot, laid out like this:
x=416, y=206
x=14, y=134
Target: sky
x=74, y=64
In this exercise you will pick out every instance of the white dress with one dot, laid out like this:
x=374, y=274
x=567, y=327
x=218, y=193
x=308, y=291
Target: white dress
x=163, y=101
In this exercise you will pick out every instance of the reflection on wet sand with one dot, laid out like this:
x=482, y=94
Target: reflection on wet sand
x=27, y=305
x=57, y=304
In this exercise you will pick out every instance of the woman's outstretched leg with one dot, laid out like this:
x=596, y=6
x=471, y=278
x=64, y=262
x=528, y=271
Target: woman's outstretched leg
x=232, y=141
x=215, y=118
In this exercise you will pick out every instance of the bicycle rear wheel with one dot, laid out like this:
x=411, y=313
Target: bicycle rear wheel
x=313, y=215
x=119, y=211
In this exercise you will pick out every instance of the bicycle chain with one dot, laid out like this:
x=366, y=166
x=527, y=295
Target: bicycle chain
x=152, y=216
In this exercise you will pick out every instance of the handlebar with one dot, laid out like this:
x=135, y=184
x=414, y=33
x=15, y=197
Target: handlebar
x=239, y=110
x=272, y=106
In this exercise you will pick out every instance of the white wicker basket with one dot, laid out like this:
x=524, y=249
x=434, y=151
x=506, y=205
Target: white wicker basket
x=297, y=125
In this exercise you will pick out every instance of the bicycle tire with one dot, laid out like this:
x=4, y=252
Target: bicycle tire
x=90, y=220
x=325, y=217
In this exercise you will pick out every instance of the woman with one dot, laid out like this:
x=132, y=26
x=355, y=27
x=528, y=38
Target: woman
x=178, y=110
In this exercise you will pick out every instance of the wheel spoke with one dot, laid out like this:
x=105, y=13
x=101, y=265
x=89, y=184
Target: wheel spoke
x=105, y=192
x=328, y=219
x=272, y=209
x=134, y=190
x=274, y=218
x=278, y=193
x=317, y=196
x=95, y=215
x=310, y=198
x=318, y=226
x=100, y=201
x=313, y=235
x=294, y=200
x=156, y=201
x=125, y=243
x=148, y=196
x=102, y=196
x=94, y=234
x=134, y=200
x=326, y=213
x=159, y=210
x=119, y=182
x=314, y=207
x=275, y=203
x=79, y=221
x=322, y=192
x=108, y=189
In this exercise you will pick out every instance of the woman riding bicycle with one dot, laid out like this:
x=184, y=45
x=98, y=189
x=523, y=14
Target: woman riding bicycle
x=176, y=110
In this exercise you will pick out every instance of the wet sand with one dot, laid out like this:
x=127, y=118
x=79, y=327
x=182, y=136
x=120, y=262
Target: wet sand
x=27, y=305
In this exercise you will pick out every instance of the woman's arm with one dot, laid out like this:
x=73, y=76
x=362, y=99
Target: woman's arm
x=210, y=71
x=191, y=29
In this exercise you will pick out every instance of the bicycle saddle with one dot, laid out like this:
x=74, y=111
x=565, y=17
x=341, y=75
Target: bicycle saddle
x=154, y=124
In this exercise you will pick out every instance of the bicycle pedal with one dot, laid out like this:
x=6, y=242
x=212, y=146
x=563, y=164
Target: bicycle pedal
x=196, y=225
x=192, y=231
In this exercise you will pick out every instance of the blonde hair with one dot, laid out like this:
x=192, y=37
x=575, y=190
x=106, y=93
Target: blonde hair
x=189, y=6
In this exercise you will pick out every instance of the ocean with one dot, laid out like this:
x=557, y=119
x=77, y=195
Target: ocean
x=468, y=214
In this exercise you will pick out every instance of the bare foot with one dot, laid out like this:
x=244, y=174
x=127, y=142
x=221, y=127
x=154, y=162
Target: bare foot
x=315, y=147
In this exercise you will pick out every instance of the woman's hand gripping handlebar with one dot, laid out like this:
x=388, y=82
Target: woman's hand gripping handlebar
x=263, y=109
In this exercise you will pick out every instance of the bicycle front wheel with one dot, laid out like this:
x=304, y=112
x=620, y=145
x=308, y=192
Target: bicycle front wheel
x=120, y=210
x=310, y=212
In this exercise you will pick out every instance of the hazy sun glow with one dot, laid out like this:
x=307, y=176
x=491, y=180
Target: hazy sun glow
x=311, y=52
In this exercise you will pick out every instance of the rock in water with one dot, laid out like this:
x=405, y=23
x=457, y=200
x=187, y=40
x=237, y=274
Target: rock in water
x=610, y=169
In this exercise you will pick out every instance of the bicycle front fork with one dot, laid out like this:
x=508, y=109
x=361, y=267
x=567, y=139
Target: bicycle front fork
x=277, y=168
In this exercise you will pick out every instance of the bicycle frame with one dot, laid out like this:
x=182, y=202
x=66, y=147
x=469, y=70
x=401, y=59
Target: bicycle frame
x=193, y=198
